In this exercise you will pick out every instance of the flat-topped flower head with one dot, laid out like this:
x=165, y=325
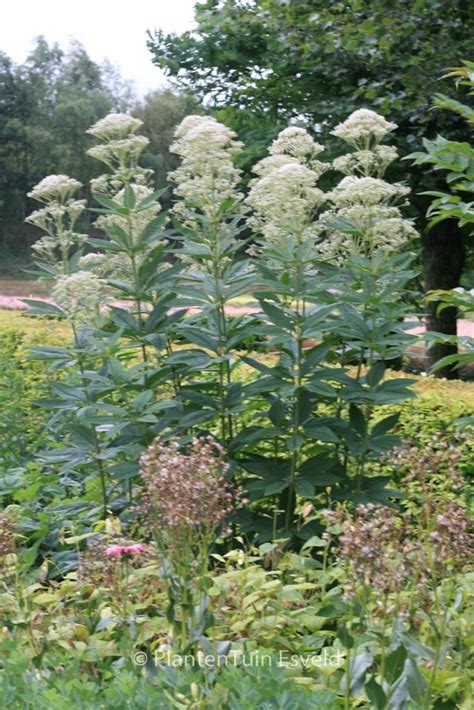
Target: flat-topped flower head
x=362, y=126
x=273, y=162
x=365, y=190
x=188, y=123
x=55, y=188
x=115, y=126
x=195, y=133
x=296, y=142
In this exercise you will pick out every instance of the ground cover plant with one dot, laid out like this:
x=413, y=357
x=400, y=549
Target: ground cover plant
x=234, y=507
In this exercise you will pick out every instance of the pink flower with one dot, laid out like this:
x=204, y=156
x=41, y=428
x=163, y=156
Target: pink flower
x=114, y=551
x=118, y=550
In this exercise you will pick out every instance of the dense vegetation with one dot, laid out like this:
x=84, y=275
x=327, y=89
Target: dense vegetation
x=249, y=504
x=263, y=63
x=220, y=487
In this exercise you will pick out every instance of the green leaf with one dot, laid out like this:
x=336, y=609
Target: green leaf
x=42, y=308
x=375, y=374
x=130, y=197
x=385, y=424
x=375, y=694
x=277, y=316
x=357, y=420
x=358, y=666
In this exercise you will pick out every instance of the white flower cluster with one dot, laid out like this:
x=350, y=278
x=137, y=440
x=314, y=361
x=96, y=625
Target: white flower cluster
x=362, y=127
x=120, y=154
x=207, y=176
x=283, y=201
x=372, y=227
x=79, y=294
x=57, y=218
x=120, y=151
x=284, y=197
x=354, y=190
x=55, y=188
x=367, y=162
x=364, y=215
x=115, y=126
x=297, y=143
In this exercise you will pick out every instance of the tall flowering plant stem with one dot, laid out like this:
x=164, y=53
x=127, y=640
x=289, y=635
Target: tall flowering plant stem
x=185, y=499
x=210, y=221
x=295, y=317
x=135, y=253
x=366, y=229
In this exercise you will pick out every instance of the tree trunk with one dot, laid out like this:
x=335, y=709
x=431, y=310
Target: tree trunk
x=443, y=263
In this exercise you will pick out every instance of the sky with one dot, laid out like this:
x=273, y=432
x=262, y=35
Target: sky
x=108, y=29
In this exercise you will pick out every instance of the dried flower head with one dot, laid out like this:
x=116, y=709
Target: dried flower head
x=185, y=492
x=7, y=539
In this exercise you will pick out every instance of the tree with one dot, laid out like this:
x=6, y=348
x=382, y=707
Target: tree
x=46, y=105
x=269, y=62
x=456, y=160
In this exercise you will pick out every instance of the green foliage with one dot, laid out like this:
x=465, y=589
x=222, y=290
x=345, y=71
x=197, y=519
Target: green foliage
x=314, y=60
x=22, y=424
x=456, y=159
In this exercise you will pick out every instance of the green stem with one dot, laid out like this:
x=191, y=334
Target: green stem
x=95, y=438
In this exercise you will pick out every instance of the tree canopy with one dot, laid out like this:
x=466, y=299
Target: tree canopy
x=46, y=104
x=317, y=61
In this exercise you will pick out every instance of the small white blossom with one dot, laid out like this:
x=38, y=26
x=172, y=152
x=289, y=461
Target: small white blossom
x=115, y=126
x=57, y=188
x=362, y=126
